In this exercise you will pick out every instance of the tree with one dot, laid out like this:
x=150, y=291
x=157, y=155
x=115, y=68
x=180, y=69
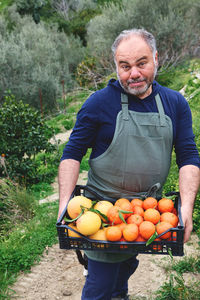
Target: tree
x=35, y=58
x=174, y=24
x=23, y=135
x=32, y=7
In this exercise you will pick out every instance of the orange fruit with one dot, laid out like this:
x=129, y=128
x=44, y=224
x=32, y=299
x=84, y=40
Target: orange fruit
x=130, y=232
x=162, y=227
x=113, y=233
x=150, y=202
x=121, y=225
x=140, y=239
x=135, y=219
x=138, y=210
x=120, y=201
x=165, y=205
x=170, y=218
x=127, y=207
x=147, y=229
x=136, y=202
x=113, y=215
x=152, y=215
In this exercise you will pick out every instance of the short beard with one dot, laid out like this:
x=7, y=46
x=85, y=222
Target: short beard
x=137, y=91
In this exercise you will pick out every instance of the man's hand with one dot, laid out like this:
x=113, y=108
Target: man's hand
x=189, y=177
x=186, y=213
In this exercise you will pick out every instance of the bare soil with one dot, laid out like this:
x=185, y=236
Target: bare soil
x=59, y=275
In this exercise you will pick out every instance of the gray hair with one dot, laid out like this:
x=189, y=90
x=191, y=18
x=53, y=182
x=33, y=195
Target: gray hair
x=126, y=34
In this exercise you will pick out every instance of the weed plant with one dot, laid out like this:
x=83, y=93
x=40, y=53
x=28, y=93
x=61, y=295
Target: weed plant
x=16, y=205
x=25, y=245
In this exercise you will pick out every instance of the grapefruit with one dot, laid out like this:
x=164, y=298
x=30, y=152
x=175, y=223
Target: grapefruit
x=74, y=205
x=89, y=223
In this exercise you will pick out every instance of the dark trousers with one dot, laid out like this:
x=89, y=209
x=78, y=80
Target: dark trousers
x=108, y=280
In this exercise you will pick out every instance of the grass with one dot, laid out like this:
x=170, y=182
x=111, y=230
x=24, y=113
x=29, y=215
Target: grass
x=24, y=246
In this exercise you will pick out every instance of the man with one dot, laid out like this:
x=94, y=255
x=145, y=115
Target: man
x=131, y=126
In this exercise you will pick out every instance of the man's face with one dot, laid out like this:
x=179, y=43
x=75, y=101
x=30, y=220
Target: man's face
x=136, y=66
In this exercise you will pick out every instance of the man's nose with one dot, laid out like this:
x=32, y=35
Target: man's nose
x=134, y=72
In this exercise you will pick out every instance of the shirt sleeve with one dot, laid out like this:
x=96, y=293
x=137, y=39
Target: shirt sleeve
x=84, y=131
x=185, y=146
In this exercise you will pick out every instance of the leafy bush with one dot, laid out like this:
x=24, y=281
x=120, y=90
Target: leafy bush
x=34, y=59
x=175, y=38
x=23, y=135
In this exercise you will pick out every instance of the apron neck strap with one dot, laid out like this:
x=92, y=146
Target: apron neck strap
x=124, y=103
x=160, y=110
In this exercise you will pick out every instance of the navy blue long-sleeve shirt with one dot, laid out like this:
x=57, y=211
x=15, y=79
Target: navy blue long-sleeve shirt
x=95, y=125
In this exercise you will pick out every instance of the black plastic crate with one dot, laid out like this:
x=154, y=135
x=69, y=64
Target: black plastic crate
x=175, y=246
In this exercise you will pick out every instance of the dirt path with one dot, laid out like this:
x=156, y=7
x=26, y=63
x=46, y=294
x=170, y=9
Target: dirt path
x=60, y=276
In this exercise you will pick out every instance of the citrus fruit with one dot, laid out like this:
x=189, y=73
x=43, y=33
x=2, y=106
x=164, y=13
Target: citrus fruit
x=130, y=232
x=103, y=206
x=149, y=202
x=120, y=201
x=113, y=233
x=136, y=202
x=170, y=218
x=121, y=225
x=152, y=215
x=71, y=233
x=162, y=227
x=140, y=239
x=113, y=215
x=89, y=223
x=135, y=219
x=126, y=206
x=147, y=229
x=138, y=210
x=99, y=235
x=74, y=205
x=165, y=205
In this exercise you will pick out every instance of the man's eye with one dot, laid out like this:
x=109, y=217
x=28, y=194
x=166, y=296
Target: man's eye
x=142, y=63
x=125, y=67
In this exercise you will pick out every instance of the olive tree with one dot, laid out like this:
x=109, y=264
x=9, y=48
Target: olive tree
x=174, y=23
x=35, y=58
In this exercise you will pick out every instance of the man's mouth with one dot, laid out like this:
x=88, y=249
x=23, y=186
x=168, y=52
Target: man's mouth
x=135, y=83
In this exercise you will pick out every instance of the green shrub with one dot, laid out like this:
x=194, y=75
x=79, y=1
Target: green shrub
x=68, y=123
x=23, y=135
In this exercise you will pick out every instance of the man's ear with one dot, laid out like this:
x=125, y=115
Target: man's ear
x=156, y=58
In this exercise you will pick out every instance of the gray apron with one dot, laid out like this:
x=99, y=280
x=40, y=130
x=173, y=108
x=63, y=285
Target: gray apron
x=137, y=162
